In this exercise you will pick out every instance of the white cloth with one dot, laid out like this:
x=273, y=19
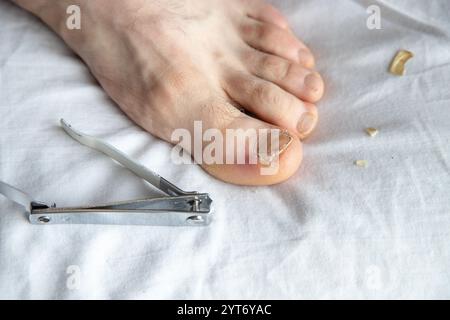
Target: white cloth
x=332, y=231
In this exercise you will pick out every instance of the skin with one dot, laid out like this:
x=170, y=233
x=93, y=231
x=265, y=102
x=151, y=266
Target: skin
x=168, y=63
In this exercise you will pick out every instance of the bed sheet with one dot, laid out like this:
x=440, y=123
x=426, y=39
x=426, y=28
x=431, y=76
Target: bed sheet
x=334, y=230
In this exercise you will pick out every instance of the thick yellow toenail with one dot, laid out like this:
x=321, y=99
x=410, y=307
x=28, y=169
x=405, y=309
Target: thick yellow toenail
x=306, y=123
x=313, y=82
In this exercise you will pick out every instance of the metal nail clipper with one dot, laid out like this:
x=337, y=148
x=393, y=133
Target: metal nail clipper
x=178, y=208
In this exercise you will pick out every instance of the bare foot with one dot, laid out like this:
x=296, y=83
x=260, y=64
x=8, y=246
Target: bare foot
x=170, y=63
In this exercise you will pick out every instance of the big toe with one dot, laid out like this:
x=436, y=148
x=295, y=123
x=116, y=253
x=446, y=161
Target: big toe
x=242, y=150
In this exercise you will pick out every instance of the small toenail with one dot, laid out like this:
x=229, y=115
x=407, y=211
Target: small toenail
x=306, y=123
x=313, y=82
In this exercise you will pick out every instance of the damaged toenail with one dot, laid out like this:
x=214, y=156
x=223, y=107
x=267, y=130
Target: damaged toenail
x=306, y=123
x=313, y=82
x=277, y=144
x=285, y=141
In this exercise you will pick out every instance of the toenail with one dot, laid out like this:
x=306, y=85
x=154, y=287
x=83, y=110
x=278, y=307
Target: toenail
x=306, y=123
x=313, y=82
x=267, y=157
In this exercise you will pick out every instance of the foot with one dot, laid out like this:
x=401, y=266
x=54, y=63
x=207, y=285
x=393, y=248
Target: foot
x=170, y=63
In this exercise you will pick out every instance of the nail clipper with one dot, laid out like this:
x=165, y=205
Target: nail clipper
x=178, y=208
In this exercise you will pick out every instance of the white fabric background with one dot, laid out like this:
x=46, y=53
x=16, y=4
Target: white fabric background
x=332, y=231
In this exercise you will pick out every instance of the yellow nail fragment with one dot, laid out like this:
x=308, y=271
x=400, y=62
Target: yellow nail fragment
x=372, y=132
x=362, y=163
x=398, y=64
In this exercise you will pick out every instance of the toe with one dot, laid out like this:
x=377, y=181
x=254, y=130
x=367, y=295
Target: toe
x=264, y=12
x=292, y=77
x=235, y=147
x=272, y=104
x=272, y=39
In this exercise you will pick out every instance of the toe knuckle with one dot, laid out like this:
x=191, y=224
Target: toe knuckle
x=248, y=29
x=275, y=67
x=267, y=32
x=266, y=93
x=252, y=30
